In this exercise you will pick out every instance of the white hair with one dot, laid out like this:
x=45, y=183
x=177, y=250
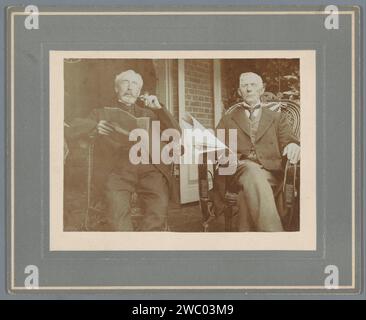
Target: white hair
x=123, y=74
x=251, y=74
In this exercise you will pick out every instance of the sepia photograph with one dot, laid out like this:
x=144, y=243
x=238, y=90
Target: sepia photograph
x=181, y=145
x=181, y=151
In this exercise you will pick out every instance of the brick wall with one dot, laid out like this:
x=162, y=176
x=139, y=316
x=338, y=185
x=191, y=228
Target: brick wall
x=199, y=90
x=224, y=90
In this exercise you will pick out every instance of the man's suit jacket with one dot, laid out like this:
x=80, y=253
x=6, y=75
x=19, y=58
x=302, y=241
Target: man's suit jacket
x=273, y=135
x=107, y=150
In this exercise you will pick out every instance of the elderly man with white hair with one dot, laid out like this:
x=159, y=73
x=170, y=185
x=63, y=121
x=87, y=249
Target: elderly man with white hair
x=263, y=138
x=152, y=182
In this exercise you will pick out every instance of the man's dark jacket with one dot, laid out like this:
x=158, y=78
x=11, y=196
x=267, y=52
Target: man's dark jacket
x=273, y=135
x=109, y=149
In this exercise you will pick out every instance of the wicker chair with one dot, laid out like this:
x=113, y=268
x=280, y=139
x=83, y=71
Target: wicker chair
x=288, y=189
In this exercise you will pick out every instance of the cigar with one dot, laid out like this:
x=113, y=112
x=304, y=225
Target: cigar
x=143, y=96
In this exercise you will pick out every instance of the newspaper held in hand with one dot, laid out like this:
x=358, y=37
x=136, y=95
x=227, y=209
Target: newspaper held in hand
x=204, y=140
x=123, y=123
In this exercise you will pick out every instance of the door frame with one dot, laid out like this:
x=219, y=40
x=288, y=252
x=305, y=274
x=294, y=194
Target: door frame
x=189, y=173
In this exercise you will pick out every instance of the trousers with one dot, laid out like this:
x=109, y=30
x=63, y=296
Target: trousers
x=152, y=189
x=256, y=202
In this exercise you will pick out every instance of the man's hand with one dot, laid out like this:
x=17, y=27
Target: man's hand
x=152, y=102
x=104, y=127
x=292, y=150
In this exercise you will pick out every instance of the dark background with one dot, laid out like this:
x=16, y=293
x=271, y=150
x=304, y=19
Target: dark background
x=89, y=83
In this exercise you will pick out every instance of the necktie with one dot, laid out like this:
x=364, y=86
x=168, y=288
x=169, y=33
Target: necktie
x=251, y=110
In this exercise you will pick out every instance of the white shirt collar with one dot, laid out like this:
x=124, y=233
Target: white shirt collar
x=257, y=104
x=255, y=112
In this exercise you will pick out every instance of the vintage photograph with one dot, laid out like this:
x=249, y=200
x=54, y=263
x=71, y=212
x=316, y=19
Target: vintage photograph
x=182, y=150
x=104, y=191
x=186, y=145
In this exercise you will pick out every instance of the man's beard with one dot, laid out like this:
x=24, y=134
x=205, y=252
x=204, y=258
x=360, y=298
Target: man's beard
x=128, y=99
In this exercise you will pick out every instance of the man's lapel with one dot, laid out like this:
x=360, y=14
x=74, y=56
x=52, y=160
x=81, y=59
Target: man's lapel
x=264, y=123
x=241, y=119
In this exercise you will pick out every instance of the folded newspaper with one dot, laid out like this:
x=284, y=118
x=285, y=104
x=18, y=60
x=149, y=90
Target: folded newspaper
x=204, y=139
x=122, y=121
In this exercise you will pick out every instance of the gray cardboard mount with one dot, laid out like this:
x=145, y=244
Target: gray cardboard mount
x=334, y=171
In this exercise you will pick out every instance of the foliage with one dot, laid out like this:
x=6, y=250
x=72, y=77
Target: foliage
x=281, y=77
